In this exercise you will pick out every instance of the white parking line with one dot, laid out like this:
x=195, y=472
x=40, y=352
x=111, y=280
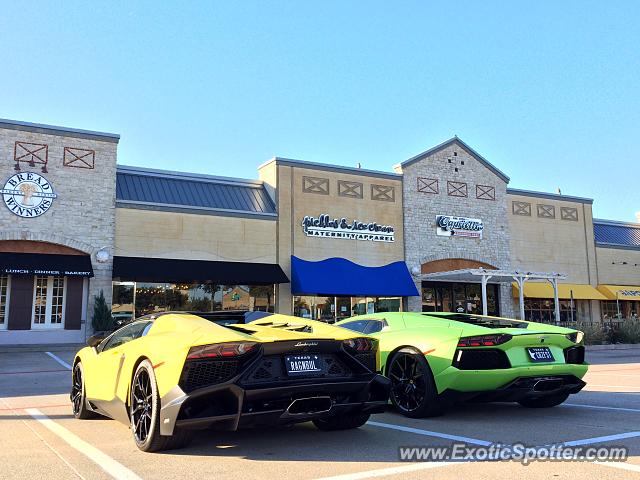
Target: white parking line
x=428, y=433
x=104, y=461
x=384, y=472
x=606, y=438
x=613, y=386
x=622, y=466
x=599, y=407
x=59, y=360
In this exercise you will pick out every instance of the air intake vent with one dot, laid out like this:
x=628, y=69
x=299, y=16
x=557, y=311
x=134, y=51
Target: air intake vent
x=481, y=359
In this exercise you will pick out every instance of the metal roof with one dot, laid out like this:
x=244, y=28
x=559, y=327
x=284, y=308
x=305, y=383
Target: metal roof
x=158, y=188
x=616, y=234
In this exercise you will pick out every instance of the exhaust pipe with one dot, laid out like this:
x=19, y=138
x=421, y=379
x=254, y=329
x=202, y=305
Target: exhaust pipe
x=309, y=406
x=547, y=384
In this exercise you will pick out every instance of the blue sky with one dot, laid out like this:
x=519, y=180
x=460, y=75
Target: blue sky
x=545, y=90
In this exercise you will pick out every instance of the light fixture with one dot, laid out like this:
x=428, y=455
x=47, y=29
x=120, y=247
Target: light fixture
x=102, y=255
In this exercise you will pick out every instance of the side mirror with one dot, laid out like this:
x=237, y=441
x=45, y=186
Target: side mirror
x=94, y=340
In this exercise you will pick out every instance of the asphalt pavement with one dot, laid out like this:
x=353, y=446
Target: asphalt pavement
x=41, y=439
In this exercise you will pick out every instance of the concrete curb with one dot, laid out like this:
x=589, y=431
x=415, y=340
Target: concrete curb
x=51, y=347
x=617, y=346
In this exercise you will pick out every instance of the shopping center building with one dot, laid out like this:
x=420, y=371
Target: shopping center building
x=315, y=240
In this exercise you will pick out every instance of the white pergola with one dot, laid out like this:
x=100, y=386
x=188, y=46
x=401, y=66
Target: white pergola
x=501, y=276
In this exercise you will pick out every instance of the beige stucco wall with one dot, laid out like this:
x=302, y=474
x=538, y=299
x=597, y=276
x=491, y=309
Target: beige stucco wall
x=553, y=245
x=294, y=204
x=362, y=209
x=556, y=245
x=612, y=270
x=145, y=233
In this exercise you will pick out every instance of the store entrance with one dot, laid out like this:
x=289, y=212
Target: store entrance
x=458, y=297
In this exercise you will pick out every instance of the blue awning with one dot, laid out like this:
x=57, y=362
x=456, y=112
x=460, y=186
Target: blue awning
x=339, y=276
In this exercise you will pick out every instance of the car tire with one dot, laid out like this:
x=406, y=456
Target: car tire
x=144, y=413
x=413, y=388
x=544, y=402
x=79, y=395
x=341, y=422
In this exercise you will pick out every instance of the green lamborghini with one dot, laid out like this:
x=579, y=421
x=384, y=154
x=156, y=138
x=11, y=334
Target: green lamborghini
x=437, y=359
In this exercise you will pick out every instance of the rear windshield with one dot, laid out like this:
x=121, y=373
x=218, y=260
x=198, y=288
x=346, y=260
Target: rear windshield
x=489, y=322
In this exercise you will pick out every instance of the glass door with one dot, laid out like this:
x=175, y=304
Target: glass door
x=4, y=301
x=48, y=302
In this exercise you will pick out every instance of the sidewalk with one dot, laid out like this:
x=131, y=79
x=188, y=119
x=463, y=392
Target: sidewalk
x=617, y=346
x=48, y=347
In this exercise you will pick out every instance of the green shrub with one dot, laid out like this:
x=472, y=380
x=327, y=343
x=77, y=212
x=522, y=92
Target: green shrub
x=102, y=321
x=593, y=334
x=629, y=331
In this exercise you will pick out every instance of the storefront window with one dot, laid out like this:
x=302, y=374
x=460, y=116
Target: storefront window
x=621, y=309
x=429, y=299
x=144, y=298
x=48, y=301
x=543, y=310
x=122, y=305
x=363, y=305
x=4, y=300
x=387, y=304
x=343, y=308
x=458, y=297
x=331, y=309
x=315, y=308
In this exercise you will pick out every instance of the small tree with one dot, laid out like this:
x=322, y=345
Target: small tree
x=102, y=320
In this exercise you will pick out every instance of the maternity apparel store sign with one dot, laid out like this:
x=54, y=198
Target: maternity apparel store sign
x=448, y=226
x=325, y=226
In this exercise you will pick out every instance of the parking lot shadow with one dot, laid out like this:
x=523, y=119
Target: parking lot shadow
x=296, y=443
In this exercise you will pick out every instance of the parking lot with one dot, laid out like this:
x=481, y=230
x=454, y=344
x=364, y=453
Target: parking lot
x=40, y=438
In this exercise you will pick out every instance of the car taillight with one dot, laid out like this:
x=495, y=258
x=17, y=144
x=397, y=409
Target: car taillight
x=575, y=337
x=484, y=340
x=360, y=344
x=221, y=350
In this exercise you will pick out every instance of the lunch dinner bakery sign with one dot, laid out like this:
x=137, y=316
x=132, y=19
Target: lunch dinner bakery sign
x=28, y=194
x=325, y=226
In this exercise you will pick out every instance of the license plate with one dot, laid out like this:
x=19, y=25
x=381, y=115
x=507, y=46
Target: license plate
x=303, y=364
x=540, y=354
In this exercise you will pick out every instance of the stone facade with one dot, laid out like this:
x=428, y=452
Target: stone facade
x=452, y=179
x=83, y=214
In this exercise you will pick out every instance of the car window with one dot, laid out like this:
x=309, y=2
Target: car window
x=375, y=326
x=356, y=325
x=125, y=334
x=367, y=326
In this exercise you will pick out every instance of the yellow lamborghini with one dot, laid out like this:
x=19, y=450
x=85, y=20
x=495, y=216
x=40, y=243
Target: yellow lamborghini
x=168, y=374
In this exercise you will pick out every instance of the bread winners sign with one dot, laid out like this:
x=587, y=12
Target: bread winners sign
x=325, y=226
x=28, y=194
x=448, y=226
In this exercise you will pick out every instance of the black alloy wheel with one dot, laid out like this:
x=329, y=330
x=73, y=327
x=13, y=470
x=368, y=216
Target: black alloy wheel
x=413, y=390
x=144, y=412
x=142, y=406
x=78, y=395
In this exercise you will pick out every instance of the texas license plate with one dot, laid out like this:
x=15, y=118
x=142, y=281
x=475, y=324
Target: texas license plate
x=540, y=354
x=303, y=364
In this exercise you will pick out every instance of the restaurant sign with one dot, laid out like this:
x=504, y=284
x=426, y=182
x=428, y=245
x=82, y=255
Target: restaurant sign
x=629, y=293
x=28, y=194
x=448, y=226
x=325, y=226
